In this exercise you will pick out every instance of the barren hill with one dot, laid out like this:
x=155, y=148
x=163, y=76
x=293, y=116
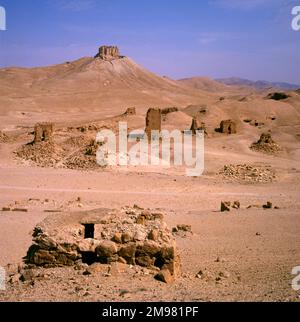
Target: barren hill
x=90, y=84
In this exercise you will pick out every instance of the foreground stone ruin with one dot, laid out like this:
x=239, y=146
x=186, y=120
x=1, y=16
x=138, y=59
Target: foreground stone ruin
x=228, y=127
x=130, y=236
x=153, y=121
x=108, y=53
x=43, y=132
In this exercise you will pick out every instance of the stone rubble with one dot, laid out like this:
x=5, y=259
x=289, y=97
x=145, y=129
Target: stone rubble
x=248, y=173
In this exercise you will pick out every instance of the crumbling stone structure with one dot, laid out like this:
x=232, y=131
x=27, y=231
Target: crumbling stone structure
x=43, y=132
x=169, y=110
x=130, y=111
x=198, y=126
x=108, y=53
x=130, y=236
x=153, y=121
x=266, y=144
x=228, y=127
x=265, y=138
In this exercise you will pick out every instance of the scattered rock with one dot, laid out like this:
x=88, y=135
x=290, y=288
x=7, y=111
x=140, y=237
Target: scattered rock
x=248, y=173
x=236, y=205
x=165, y=276
x=186, y=228
x=225, y=206
x=6, y=209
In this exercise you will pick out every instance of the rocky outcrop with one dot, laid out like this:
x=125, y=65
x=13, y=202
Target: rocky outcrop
x=108, y=53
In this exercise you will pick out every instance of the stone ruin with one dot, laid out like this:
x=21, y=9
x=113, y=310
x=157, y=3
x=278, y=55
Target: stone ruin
x=130, y=111
x=228, y=127
x=43, y=132
x=169, y=110
x=198, y=126
x=153, y=121
x=131, y=236
x=266, y=144
x=109, y=53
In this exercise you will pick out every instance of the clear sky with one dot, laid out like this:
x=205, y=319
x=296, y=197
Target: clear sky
x=178, y=38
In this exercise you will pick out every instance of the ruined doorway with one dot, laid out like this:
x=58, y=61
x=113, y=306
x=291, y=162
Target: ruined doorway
x=89, y=231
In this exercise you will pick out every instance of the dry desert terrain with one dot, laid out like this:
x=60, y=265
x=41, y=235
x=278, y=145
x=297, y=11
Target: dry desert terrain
x=245, y=254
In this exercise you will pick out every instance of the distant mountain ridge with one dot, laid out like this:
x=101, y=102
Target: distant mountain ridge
x=236, y=81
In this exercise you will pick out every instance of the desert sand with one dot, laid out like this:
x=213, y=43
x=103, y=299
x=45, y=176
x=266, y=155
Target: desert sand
x=246, y=254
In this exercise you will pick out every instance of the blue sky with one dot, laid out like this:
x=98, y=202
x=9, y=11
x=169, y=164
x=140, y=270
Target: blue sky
x=178, y=38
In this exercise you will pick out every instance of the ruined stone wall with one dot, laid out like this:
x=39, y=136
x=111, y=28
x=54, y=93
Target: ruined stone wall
x=43, y=132
x=153, y=121
x=228, y=127
x=108, y=53
x=132, y=236
x=169, y=110
x=197, y=125
x=130, y=111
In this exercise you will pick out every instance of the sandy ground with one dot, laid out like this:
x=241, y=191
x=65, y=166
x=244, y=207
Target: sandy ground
x=257, y=248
